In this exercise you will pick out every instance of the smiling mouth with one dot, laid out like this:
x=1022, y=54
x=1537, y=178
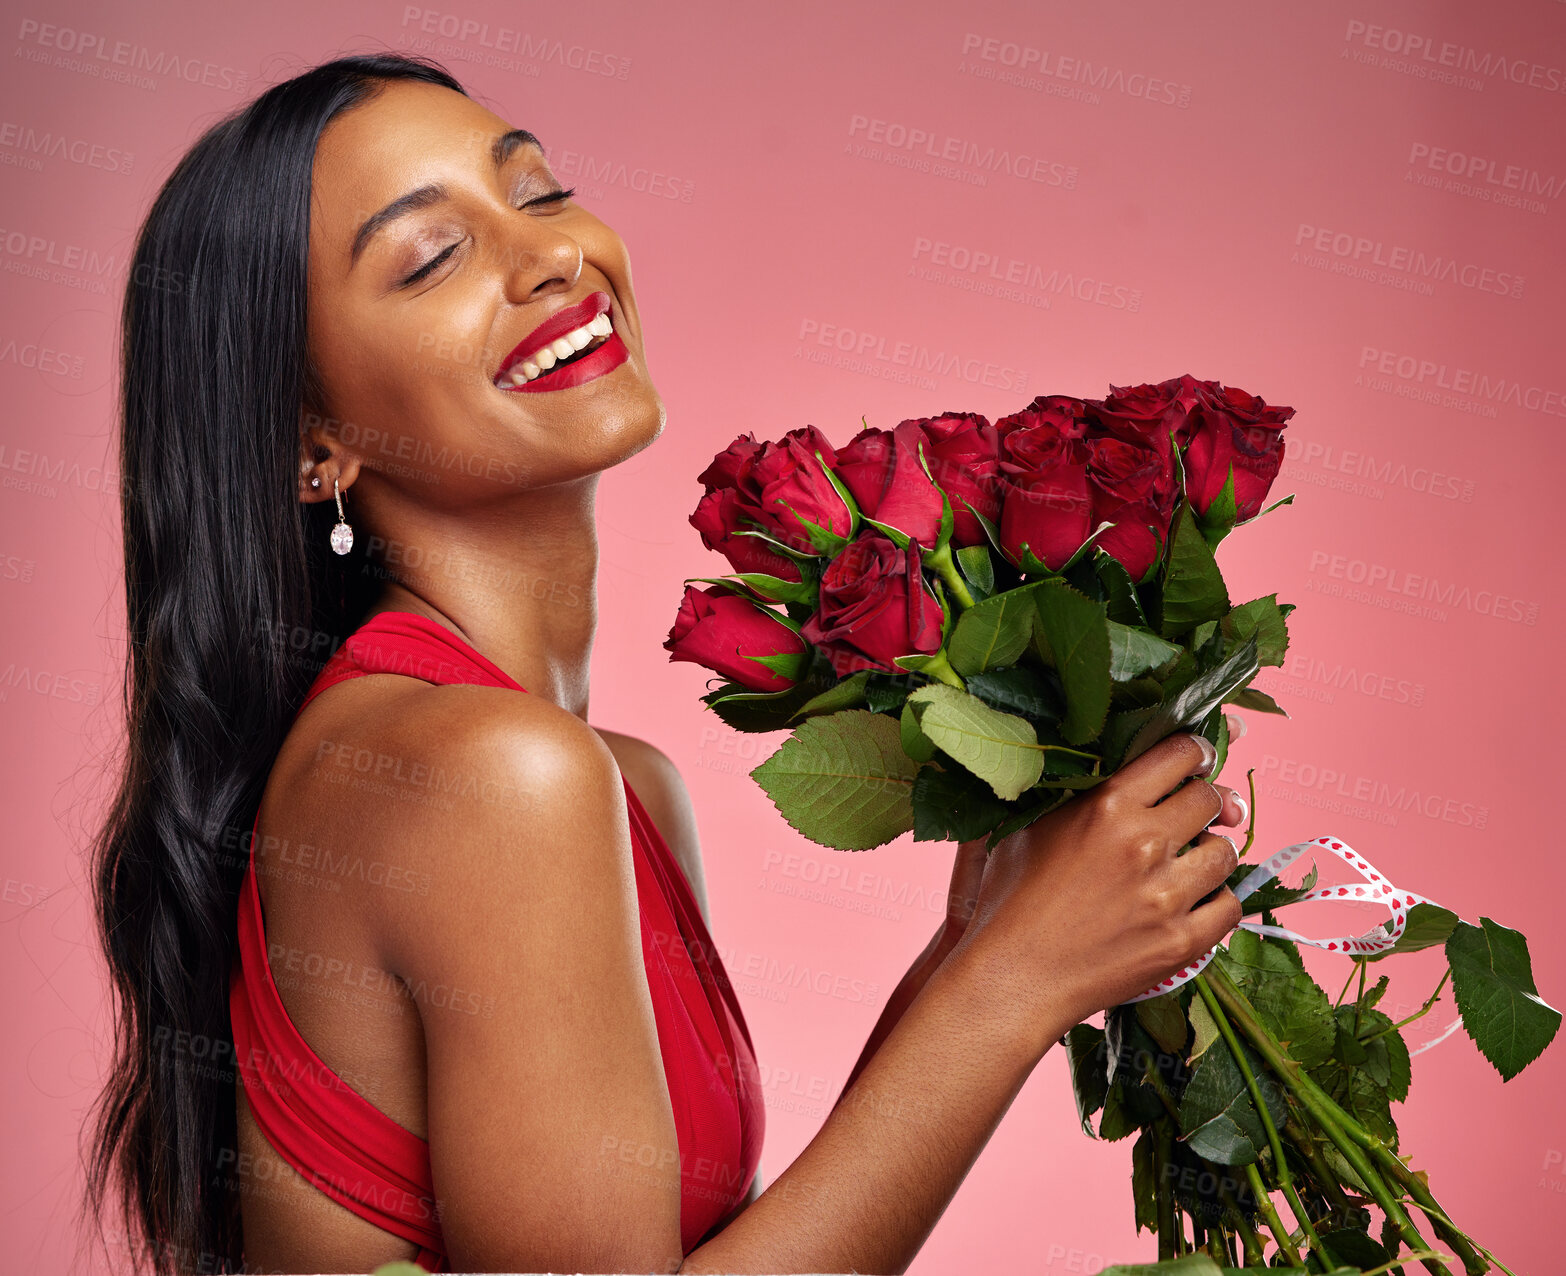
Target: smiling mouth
x=560, y=353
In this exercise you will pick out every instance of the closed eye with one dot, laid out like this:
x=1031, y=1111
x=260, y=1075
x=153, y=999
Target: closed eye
x=552, y=197
x=424, y=271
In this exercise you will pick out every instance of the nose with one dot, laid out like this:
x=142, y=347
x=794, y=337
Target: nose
x=541, y=262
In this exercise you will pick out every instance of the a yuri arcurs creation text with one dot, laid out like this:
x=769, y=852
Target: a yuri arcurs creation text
x=964, y=625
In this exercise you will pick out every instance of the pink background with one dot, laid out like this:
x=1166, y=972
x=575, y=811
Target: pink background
x=799, y=261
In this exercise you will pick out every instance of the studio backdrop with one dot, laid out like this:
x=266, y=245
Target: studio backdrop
x=850, y=214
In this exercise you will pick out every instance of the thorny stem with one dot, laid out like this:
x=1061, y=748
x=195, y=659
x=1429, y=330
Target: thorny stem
x=1425, y=1009
x=1269, y=1211
x=1351, y=1138
x=1285, y=1180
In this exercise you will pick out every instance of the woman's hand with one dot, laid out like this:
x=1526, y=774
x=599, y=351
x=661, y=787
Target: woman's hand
x=1093, y=903
x=968, y=867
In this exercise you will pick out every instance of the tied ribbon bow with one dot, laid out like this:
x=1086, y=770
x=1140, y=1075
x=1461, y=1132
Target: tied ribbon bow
x=1372, y=887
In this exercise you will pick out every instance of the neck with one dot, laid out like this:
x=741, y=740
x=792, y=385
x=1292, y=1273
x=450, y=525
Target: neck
x=517, y=585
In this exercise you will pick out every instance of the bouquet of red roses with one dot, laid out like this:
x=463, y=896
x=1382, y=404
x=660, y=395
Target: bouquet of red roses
x=964, y=624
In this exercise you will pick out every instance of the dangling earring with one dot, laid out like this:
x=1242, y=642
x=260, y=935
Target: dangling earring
x=342, y=534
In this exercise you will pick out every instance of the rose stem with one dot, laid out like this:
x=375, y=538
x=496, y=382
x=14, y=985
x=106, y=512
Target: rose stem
x=1352, y=971
x=1381, y=1032
x=1280, y=1165
x=1269, y=1211
x=1163, y=1195
x=941, y=560
x=1337, y=1124
x=1242, y=1226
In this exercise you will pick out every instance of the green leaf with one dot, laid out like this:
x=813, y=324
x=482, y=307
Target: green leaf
x=1492, y=981
x=1353, y=1245
x=1164, y=1020
x=1192, y=586
x=1075, y=630
x=1426, y=926
x=1286, y=999
x=772, y=588
x=916, y=744
x=1193, y=702
x=758, y=711
x=1204, y=1028
x=1262, y=619
x=1144, y=1183
x=1272, y=893
x=848, y=694
x=1121, y=599
x=1021, y=690
x=1089, y=1063
x=1217, y=1117
x=1190, y=1265
x=843, y=780
x=1135, y=651
x=954, y=806
x=994, y=632
x=977, y=567
x=999, y=748
x=1255, y=700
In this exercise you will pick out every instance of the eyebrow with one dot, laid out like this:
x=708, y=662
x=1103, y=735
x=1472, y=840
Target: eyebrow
x=500, y=151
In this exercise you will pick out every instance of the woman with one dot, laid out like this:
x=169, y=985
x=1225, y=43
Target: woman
x=463, y=966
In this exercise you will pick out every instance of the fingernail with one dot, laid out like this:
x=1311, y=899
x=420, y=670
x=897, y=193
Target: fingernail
x=1237, y=727
x=1212, y=754
x=1245, y=809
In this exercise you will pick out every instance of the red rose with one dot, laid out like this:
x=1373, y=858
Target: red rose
x=784, y=475
x=963, y=452
x=722, y=518
x=725, y=467
x=1241, y=430
x=1141, y=409
x=1045, y=495
x=725, y=632
x=1133, y=487
x=881, y=469
x=874, y=606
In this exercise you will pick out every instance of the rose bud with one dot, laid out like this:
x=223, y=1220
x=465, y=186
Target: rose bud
x=874, y=606
x=881, y=470
x=785, y=475
x=722, y=517
x=1045, y=493
x=1241, y=430
x=726, y=632
x=962, y=450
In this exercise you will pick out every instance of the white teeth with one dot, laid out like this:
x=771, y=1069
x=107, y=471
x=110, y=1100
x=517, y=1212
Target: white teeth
x=561, y=348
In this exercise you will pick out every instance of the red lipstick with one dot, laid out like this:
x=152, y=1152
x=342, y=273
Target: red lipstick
x=557, y=325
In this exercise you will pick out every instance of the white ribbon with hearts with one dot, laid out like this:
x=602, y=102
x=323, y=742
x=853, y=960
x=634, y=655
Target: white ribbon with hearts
x=1372, y=887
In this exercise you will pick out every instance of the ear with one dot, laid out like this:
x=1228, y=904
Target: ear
x=323, y=457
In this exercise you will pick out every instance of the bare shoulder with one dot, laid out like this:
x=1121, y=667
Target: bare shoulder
x=661, y=788
x=452, y=784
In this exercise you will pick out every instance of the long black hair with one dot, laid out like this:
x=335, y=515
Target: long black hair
x=233, y=602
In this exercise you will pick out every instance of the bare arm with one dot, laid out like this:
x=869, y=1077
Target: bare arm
x=532, y=1106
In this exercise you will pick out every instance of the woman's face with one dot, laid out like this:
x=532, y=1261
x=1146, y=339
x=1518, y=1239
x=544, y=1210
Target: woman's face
x=436, y=255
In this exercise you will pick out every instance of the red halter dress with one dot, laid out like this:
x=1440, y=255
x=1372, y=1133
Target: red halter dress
x=380, y=1170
